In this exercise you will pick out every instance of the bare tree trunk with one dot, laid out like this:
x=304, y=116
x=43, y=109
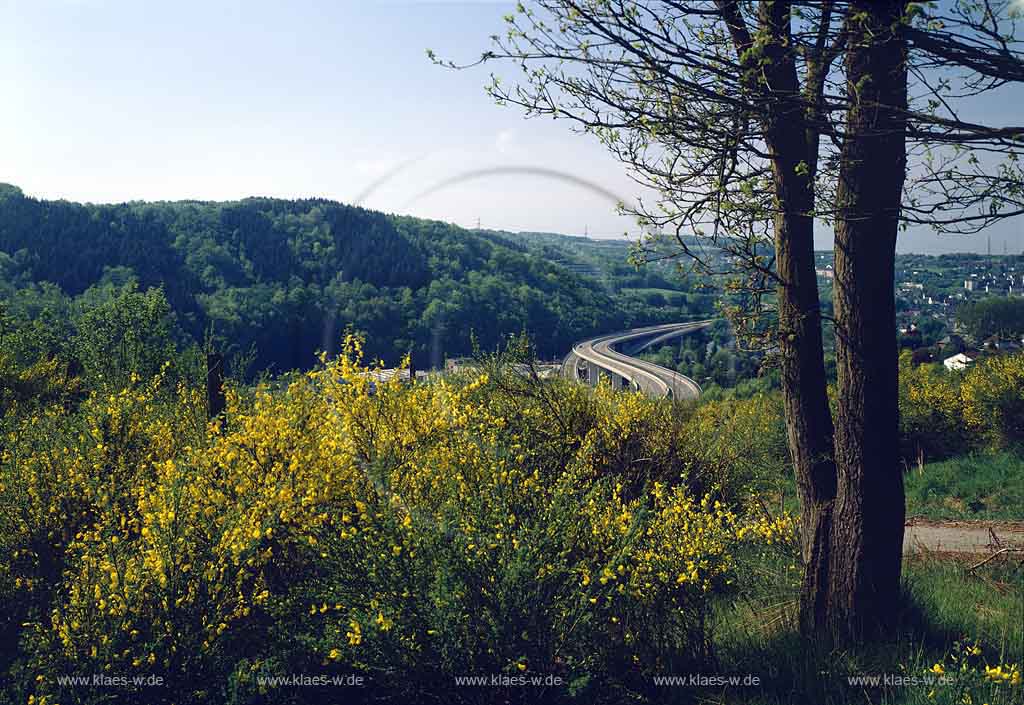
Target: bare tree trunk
x=867, y=530
x=215, y=399
x=804, y=389
x=808, y=418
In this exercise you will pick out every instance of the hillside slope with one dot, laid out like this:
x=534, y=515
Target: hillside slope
x=288, y=276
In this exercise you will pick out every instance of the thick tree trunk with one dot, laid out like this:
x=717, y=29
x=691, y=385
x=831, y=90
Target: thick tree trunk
x=808, y=418
x=804, y=389
x=867, y=524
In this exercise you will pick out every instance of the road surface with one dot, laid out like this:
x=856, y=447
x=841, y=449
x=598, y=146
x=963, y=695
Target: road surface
x=978, y=537
x=598, y=356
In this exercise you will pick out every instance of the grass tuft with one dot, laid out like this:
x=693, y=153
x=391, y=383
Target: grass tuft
x=946, y=606
x=977, y=486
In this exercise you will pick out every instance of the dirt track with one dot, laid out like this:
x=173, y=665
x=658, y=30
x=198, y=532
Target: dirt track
x=978, y=537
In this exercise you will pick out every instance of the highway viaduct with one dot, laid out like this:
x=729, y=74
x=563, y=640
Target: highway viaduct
x=596, y=358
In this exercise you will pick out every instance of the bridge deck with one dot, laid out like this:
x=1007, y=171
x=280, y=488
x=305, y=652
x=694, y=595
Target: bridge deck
x=654, y=380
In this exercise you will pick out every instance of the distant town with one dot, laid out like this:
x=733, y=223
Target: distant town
x=953, y=308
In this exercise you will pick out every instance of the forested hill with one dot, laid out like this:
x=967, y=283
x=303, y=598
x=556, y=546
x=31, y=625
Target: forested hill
x=288, y=276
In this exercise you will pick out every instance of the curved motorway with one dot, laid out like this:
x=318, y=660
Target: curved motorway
x=596, y=356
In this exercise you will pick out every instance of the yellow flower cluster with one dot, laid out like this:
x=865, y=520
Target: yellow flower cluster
x=972, y=679
x=999, y=673
x=992, y=394
x=771, y=530
x=677, y=542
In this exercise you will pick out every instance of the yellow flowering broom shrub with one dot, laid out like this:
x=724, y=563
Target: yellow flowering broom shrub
x=69, y=482
x=340, y=527
x=931, y=412
x=993, y=400
x=944, y=413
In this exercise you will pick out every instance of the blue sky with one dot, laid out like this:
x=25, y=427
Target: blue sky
x=108, y=101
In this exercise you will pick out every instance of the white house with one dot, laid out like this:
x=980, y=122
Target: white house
x=957, y=362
